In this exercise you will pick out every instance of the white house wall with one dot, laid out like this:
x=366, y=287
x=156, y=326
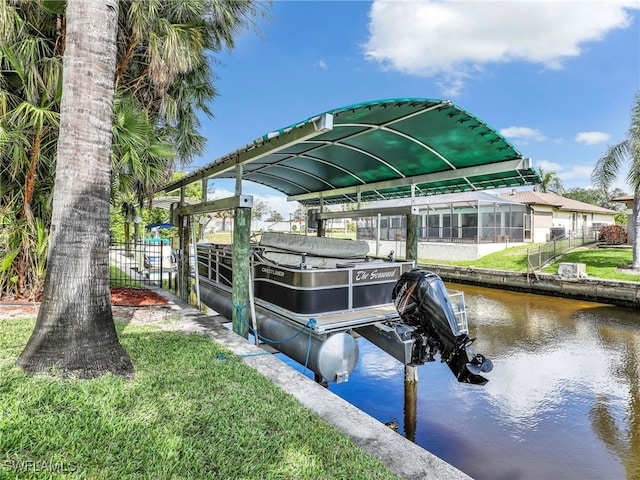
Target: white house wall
x=600, y=219
x=563, y=220
x=546, y=218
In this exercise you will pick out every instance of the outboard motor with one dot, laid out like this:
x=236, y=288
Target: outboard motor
x=423, y=303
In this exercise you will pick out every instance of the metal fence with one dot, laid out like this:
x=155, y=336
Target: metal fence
x=540, y=257
x=142, y=263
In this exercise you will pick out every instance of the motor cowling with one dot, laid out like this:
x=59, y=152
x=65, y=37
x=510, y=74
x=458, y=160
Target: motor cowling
x=422, y=301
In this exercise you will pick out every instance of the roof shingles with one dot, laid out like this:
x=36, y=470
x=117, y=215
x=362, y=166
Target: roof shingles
x=531, y=197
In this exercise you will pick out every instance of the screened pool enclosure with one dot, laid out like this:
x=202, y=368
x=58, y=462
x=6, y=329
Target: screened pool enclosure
x=471, y=217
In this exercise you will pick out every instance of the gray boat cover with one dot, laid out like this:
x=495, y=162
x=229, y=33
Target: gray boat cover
x=316, y=246
x=321, y=252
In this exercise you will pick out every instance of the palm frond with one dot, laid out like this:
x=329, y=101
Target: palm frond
x=607, y=167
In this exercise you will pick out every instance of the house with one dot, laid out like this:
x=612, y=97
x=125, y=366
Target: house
x=549, y=215
x=469, y=225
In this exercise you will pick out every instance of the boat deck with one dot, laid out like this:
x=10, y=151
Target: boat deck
x=338, y=321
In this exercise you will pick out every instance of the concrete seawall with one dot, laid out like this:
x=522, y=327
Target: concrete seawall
x=619, y=293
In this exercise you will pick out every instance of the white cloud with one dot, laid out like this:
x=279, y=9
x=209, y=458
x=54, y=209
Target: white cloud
x=322, y=65
x=523, y=133
x=592, y=138
x=455, y=38
x=548, y=166
x=219, y=193
x=578, y=176
x=452, y=86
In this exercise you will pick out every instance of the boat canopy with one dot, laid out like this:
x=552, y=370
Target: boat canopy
x=378, y=150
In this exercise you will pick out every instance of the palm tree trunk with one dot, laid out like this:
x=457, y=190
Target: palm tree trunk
x=30, y=181
x=127, y=239
x=22, y=267
x=124, y=62
x=74, y=332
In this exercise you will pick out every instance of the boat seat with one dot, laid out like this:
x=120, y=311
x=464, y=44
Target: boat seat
x=321, y=252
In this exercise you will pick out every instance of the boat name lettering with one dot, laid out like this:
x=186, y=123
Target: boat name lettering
x=374, y=274
x=271, y=271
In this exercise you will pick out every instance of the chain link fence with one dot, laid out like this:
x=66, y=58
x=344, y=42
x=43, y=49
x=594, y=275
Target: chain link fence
x=540, y=257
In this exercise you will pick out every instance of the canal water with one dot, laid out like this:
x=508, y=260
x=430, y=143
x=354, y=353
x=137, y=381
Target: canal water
x=562, y=402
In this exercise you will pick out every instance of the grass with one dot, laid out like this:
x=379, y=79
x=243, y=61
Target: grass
x=193, y=410
x=600, y=262
x=118, y=278
x=225, y=238
x=513, y=258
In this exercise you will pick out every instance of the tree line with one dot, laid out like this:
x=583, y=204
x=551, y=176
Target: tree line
x=163, y=80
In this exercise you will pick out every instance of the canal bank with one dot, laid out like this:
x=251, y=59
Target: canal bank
x=403, y=457
x=618, y=293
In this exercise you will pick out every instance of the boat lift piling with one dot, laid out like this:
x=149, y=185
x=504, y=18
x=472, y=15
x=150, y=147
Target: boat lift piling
x=182, y=217
x=241, y=266
x=411, y=372
x=410, y=410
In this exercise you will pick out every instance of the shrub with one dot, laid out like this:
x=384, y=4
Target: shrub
x=612, y=235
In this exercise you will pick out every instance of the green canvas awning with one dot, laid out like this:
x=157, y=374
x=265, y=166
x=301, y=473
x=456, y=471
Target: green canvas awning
x=375, y=151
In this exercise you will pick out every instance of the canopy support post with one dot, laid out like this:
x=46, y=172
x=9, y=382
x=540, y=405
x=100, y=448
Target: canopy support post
x=194, y=244
x=321, y=222
x=241, y=266
x=378, y=220
x=239, y=172
x=412, y=237
x=183, y=262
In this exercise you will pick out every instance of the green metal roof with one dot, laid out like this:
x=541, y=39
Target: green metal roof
x=377, y=150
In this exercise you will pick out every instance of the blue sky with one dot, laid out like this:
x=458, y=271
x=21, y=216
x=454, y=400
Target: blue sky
x=556, y=78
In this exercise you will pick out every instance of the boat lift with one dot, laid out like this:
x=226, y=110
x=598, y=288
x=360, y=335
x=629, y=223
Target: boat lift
x=376, y=150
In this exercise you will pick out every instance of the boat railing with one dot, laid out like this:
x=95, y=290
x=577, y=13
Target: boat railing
x=459, y=310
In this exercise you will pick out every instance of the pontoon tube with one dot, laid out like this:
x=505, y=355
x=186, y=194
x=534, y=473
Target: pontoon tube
x=332, y=356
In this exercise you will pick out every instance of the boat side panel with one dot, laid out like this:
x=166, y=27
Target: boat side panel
x=305, y=302
x=372, y=294
x=300, y=279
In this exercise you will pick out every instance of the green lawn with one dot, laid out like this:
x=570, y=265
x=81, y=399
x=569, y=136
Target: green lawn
x=600, y=262
x=120, y=279
x=193, y=410
x=513, y=258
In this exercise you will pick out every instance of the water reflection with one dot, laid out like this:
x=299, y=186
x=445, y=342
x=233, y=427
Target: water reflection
x=563, y=401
